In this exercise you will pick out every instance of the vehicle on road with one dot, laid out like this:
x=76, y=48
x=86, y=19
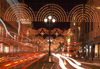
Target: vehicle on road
x=71, y=50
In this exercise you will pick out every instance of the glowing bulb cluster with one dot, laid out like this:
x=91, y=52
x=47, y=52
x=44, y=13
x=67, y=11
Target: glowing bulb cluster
x=50, y=18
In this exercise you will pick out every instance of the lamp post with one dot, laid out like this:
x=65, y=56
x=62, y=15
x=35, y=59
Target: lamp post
x=50, y=20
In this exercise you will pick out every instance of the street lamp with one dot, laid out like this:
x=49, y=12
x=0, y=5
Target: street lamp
x=50, y=20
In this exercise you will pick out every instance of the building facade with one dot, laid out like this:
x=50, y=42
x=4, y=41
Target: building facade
x=10, y=41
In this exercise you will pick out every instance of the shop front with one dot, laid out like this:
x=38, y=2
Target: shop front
x=96, y=51
x=6, y=49
x=1, y=47
x=87, y=51
x=90, y=51
x=15, y=48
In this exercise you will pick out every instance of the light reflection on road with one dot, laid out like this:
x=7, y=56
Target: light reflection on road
x=69, y=60
x=61, y=63
x=6, y=63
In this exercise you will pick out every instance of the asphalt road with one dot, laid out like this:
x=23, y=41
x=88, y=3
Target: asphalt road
x=43, y=63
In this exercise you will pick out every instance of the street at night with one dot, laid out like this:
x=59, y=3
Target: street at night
x=49, y=34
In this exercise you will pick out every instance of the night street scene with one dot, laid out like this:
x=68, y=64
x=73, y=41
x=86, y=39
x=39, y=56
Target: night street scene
x=49, y=34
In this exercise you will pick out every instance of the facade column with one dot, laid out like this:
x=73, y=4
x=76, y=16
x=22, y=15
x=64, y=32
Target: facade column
x=76, y=32
x=99, y=49
x=1, y=48
x=88, y=51
x=11, y=49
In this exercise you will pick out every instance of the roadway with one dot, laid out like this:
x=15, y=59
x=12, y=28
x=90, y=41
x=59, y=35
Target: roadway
x=40, y=61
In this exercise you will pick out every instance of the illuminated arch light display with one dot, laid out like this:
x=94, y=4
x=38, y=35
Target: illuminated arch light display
x=26, y=14
x=20, y=11
x=77, y=14
x=56, y=11
x=83, y=12
x=35, y=32
x=44, y=42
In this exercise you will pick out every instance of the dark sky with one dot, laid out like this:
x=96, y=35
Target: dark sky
x=67, y=5
x=61, y=25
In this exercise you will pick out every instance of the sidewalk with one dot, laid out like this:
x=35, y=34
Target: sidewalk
x=47, y=64
x=96, y=61
x=54, y=64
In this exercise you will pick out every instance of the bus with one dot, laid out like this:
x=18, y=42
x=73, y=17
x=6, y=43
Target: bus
x=71, y=50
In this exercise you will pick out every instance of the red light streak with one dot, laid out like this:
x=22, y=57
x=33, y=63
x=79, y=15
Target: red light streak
x=13, y=26
x=21, y=60
x=16, y=62
x=33, y=62
x=36, y=65
x=4, y=41
x=8, y=64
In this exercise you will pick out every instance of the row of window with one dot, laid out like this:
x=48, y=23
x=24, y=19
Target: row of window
x=3, y=5
x=86, y=27
x=4, y=34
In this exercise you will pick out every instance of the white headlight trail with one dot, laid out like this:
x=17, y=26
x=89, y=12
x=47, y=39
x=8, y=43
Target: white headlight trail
x=5, y=28
x=61, y=63
x=71, y=63
x=74, y=61
x=11, y=2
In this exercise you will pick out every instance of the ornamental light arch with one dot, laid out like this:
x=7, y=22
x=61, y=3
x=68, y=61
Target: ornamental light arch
x=83, y=13
x=53, y=10
x=21, y=12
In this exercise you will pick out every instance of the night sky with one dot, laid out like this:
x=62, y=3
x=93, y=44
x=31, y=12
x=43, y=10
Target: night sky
x=67, y=5
x=61, y=25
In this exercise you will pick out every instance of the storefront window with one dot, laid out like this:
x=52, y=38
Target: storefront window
x=89, y=51
x=1, y=47
x=15, y=48
x=6, y=49
x=96, y=50
x=11, y=48
x=14, y=37
x=86, y=50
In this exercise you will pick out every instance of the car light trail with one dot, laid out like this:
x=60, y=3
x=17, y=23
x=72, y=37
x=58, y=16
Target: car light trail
x=25, y=59
x=74, y=61
x=8, y=64
x=34, y=61
x=21, y=60
x=5, y=28
x=60, y=61
x=14, y=2
x=36, y=65
x=71, y=63
x=16, y=62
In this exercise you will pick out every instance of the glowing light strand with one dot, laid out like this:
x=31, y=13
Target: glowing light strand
x=5, y=28
x=15, y=1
